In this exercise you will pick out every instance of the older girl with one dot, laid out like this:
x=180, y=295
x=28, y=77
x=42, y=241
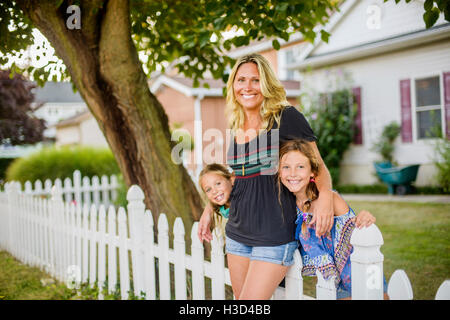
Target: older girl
x=330, y=254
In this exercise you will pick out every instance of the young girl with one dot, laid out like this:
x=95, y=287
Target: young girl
x=216, y=182
x=329, y=254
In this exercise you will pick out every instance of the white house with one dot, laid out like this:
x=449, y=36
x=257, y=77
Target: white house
x=59, y=103
x=400, y=72
x=80, y=129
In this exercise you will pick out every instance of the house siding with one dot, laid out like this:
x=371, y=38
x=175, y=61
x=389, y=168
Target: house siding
x=379, y=78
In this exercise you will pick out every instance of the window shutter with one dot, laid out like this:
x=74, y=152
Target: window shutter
x=358, y=136
x=405, y=96
x=446, y=79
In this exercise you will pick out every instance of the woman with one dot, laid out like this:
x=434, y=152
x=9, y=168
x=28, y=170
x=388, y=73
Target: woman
x=260, y=239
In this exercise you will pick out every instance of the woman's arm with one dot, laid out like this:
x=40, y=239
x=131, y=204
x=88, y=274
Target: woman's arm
x=204, y=225
x=323, y=212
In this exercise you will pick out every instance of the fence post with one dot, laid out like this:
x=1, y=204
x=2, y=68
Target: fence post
x=149, y=256
x=86, y=190
x=399, y=287
x=367, y=264
x=101, y=251
x=136, y=208
x=325, y=289
x=217, y=266
x=93, y=246
x=68, y=190
x=77, y=187
x=163, y=258
x=443, y=292
x=198, y=276
x=55, y=222
x=179, y=247
x=123, y=254
x=112, y=249
x=104, y=188
x=12, y=192
x=294, y=280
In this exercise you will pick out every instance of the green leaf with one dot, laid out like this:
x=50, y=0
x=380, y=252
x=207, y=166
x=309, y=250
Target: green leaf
x=428, y=5
x=281, y=7
x=324, y=35
x=276, y=44
x=430, y=17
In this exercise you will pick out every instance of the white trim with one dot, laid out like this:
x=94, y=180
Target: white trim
x=164, y=80
x=334, y=20
x=190, y=92
x=375, y=48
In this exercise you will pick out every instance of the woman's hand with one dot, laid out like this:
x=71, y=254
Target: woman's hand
x=323, y=213
x=204, y=225
x=364, y=219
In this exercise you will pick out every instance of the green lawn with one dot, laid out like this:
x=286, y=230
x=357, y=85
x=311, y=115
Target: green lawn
x=416, y=239
x=19, y=282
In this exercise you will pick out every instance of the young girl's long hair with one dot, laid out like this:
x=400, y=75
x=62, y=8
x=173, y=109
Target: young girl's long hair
x=305, y=148
x=222, y=171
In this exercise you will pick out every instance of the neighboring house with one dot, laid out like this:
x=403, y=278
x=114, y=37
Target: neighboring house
x=58, y=102
x=400, y=72
x=80, y=129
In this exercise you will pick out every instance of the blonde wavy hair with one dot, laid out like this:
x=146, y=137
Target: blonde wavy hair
x=271, y=88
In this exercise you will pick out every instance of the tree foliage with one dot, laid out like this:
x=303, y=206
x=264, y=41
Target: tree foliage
x=18, y=125
x=187, y=33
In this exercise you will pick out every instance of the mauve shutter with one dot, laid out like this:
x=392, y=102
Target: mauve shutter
x=358, y=137
x=405, y=96
x=447, y=102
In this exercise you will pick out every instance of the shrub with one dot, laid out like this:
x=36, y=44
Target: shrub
x=442, y=163
x=51, y=163
x=332, y=120
x=385, y=145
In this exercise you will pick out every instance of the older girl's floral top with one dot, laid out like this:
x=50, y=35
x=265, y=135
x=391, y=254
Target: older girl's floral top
x=328, y=254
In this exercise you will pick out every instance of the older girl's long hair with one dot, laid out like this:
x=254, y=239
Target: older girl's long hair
x=271, y=88
x=305, y=148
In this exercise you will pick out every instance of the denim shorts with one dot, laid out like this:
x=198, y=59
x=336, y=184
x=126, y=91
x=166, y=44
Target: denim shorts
x=282, y=254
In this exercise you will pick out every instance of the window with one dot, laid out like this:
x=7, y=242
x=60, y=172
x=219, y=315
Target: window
x=428, y=107
x=290, y=58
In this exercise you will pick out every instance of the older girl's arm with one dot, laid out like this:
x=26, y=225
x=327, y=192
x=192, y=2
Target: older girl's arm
x=323, y=213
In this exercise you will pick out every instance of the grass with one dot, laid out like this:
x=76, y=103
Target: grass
x=20, y=282
x=416, y=239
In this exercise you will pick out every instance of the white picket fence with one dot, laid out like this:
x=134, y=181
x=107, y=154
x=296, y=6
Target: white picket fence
x=79, y=189
x=80, y=243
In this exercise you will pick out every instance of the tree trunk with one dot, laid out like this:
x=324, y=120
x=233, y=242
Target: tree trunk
x=103, y=63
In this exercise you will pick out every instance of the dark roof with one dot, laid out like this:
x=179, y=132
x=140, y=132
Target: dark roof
x=56, y=92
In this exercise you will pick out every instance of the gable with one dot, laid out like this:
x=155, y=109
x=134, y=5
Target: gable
x=374, y=20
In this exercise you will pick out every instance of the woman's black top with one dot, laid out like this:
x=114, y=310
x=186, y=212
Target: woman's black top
x=256, y=217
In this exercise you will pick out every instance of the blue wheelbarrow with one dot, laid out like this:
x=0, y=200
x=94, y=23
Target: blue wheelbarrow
x=398, y=179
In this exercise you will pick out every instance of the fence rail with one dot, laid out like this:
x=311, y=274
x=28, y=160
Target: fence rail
x=116, y=249
x=79, y=189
